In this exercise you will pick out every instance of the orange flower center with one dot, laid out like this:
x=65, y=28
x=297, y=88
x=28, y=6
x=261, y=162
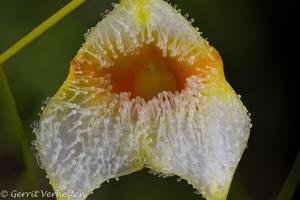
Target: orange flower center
x=148, y=72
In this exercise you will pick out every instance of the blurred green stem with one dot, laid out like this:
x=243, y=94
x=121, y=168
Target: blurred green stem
x=8, y=108
x=290, y=185
x=15, y=128
x=40, y=29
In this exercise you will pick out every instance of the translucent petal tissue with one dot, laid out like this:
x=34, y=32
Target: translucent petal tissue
x=144, y=90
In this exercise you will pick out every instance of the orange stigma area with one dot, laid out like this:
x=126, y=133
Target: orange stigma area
x=148, y=73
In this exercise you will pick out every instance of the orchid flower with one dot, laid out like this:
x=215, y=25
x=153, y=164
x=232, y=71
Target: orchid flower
x=144, y=91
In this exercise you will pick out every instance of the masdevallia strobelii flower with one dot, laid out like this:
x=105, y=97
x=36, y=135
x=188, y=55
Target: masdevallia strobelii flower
x=144, y=90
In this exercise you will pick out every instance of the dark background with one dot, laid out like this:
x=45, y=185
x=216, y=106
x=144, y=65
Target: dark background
x=255, y=39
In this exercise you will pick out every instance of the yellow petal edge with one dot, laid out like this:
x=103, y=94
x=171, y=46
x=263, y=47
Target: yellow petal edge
x=195, y=127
